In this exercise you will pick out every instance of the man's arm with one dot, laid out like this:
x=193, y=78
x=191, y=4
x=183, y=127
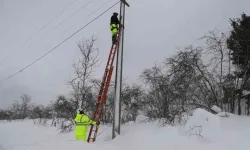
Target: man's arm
x=76, y=119
x=89, y=121
x=92, y=122
x=117, y=21
x=120, y=22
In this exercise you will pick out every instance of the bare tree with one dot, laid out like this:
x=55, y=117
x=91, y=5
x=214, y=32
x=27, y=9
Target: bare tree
x=189, y=61
x=16, y=109
x=217, y=46
x=158, y=99
x=107, y=116
x=6, y=115
x=131, y=96
x=25, y=105
x=132, y=102
x=21, y=109
x=64, y=111
x=81, y=83
x=181, y=84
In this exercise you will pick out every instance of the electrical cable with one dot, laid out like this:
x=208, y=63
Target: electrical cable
x=58, y=15
x=68, y=18
x=44, y=26
x=58, y=44
x=89, y=15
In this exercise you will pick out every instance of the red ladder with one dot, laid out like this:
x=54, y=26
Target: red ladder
x=104, y=89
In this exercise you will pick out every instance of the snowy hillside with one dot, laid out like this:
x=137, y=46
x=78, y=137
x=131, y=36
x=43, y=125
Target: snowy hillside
x=203, y=131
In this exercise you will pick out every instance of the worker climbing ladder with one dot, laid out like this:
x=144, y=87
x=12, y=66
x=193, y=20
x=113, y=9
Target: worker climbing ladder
x=104, y=89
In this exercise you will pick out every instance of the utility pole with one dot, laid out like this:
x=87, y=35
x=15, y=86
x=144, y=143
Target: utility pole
x=118, y=78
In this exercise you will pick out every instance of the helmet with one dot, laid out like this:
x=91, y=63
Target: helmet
x=115, y=13
x=80, y=111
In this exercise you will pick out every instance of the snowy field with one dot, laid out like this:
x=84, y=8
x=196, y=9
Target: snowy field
x=203, y=131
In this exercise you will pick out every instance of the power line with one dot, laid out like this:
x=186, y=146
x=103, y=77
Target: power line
x=71, y=3
x=58, y=44
x=69, y=17
x=76, y=12
x=58, y=14
x=66, y=19
x=90, y=14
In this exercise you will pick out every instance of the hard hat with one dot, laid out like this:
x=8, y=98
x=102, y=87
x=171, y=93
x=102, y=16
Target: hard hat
x=79, y=110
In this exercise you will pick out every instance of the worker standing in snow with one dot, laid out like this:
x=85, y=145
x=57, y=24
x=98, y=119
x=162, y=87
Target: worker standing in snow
x=82, y=123
x=114, y=21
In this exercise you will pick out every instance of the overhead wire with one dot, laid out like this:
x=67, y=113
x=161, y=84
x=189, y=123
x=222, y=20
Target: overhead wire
x=59, y=44
x=58, y=14
x=89, y=15
x=71, y=3
x=68, y=17
x=65, y=19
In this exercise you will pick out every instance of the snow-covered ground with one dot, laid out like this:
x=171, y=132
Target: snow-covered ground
x=203, y=131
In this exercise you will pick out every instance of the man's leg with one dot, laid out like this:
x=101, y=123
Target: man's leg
x=77, y=137
x=83, y=137
x=76, y=133
x=114, y=38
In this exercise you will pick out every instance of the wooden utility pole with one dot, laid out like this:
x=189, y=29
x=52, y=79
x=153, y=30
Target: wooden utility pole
x=118, y=78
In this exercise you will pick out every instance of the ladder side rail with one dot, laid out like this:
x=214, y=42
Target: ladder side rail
x=110, y=54
x=106, y=88
x=108, y=72
x=105, y=92
x=103, y=83
x=104, y=97
x=101, y=92
x=103, y=101
x=98, y=102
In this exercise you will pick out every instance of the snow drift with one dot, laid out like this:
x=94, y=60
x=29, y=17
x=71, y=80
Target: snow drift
x=204, y=125
x=218, y=133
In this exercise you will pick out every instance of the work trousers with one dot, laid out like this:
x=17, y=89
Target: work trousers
x=81, y=133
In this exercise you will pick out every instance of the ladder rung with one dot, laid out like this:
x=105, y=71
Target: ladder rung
x=101, y=94
x=104, y=89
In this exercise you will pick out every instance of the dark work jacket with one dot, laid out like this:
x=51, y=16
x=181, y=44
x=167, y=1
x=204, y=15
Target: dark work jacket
x=114, y=20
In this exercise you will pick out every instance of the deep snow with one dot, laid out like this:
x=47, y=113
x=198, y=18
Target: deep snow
x=202, y=131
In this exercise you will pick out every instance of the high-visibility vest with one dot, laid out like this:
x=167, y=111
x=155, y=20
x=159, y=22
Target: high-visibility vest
x=113, y=26
x=83, y=120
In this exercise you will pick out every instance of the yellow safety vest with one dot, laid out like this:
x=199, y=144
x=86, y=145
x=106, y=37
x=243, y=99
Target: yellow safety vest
x=83, y=120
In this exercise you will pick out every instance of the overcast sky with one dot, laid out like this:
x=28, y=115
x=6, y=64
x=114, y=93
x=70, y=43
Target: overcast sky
x=154, y=29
